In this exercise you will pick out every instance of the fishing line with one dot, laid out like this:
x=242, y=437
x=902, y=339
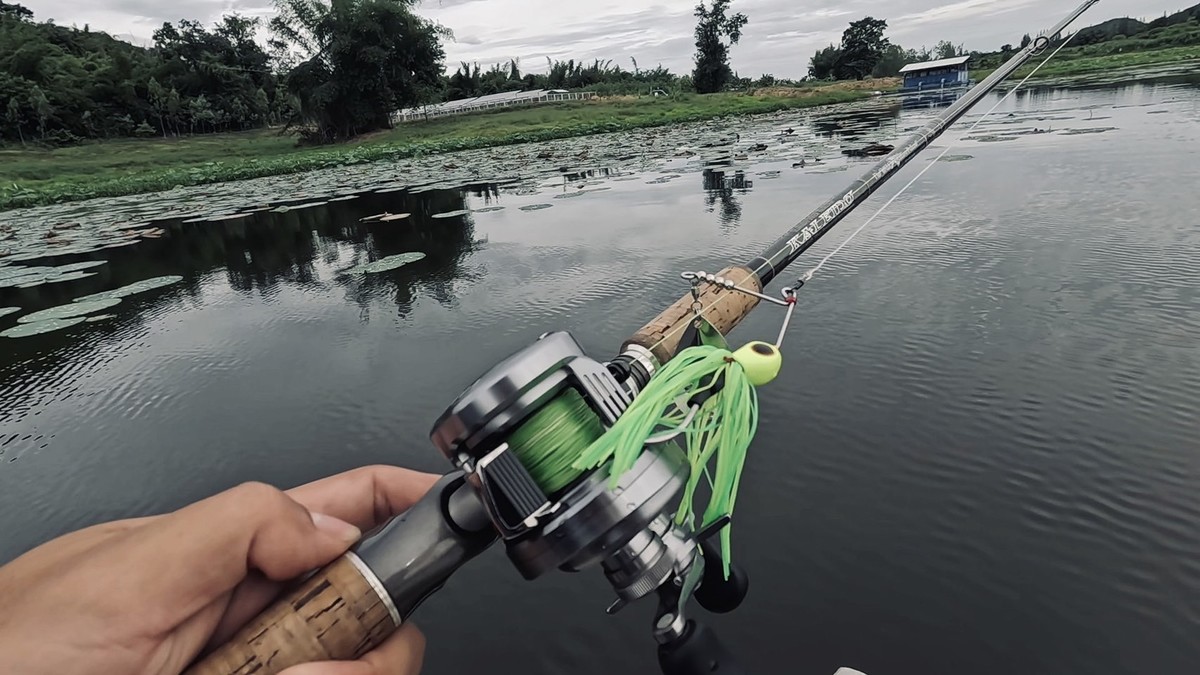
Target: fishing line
x=703, y=399
x=808, y=275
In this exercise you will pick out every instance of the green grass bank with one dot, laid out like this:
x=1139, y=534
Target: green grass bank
x=32, y=177
x=1068, y=63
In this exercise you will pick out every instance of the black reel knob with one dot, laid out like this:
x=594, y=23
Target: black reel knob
x=697, y=651
x=716, y=593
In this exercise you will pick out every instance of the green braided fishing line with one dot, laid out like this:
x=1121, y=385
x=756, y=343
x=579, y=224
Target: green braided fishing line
x=548, y=443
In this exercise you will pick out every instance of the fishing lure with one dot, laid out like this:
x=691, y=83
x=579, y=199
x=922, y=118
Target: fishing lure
x=705, y=396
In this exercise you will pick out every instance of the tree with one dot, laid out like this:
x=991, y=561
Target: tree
x=41, y=108
x=159, y=99
x=174, y=107
x=262, y=105
x=713, y=29
x=894, y=58
x=1006, y=49
x=364, y=59
x=863, y=45
x=947, y=50
x=15, y=11
x=823, y=65
x=1025, y=41
x=13, y=117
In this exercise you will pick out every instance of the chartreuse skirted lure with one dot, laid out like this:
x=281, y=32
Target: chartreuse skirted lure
x=707, y=394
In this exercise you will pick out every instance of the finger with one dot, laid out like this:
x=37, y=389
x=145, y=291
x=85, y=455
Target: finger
x=403, y=653
x=201, y=552
x=366, y=497
x=248, y=600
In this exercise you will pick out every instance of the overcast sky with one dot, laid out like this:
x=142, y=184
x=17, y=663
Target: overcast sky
x=781, y=35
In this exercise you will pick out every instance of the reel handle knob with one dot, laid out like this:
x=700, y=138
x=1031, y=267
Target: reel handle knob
x=716, y=593
x=697, y=652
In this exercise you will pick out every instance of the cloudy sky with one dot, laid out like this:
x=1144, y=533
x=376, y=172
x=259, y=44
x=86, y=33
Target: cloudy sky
x=779, y=39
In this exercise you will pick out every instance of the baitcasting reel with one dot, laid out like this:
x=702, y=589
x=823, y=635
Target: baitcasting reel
x=627, y=530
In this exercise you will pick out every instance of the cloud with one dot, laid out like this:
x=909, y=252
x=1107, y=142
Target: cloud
x=781, y=35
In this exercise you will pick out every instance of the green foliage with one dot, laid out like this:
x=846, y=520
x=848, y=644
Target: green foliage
x=824, y=64
x=601, y=77
x=127, y=166
x=893, y=58
x=362, y=60
x=1086, y=52
x=713, y=28
x=863, y=45
x=60, y=84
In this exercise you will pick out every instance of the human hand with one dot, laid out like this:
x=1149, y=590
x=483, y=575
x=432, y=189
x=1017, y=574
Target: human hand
x=146, y=596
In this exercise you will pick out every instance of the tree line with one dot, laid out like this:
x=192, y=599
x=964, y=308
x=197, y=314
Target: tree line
x=864, y=51
x=334, y=69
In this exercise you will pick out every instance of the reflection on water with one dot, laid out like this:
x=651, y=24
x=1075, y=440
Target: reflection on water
x=721, y=186
x=980, y=456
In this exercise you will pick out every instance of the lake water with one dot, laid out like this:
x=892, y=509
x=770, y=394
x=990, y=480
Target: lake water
x=982, y=456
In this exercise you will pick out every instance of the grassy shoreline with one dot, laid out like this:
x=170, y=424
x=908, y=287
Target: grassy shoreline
x=30, y=177
x=35, y=177
x=1066, y=66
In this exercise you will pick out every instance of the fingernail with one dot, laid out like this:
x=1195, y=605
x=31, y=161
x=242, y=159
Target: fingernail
x=336, y=527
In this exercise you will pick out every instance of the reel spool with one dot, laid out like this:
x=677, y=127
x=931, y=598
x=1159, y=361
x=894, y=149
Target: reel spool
x=552, y=398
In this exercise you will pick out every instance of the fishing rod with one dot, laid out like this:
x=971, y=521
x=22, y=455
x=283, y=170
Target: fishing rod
x=575, y=464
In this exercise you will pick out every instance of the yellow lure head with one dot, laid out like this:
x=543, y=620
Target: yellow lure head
x=761, y=362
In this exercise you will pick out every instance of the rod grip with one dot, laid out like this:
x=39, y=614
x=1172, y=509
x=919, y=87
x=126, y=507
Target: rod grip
x=723, y=308
x=337, y=614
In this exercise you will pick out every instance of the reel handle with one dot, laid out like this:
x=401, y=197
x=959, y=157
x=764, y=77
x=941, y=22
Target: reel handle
x=724, y=308
x=353, y=604
x=697, y=652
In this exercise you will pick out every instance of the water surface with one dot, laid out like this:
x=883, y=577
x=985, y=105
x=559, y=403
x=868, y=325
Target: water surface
x=982, y=454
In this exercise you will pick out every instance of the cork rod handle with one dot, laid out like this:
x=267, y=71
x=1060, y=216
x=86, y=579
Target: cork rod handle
x=724, y=309
x=337, y=614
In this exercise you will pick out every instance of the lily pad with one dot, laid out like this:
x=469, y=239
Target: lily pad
x=389, y=263
x=19, y=271
x=28, y=329
x=101, y=317
x=56, y=278
x=68, y=311
x=133, y=289
x=489, y=209
x=75, y=267
x=394, y=216
x=451, y=214
x=5, y=311
x=957, y=158
x=18, y=282
x=536, y=207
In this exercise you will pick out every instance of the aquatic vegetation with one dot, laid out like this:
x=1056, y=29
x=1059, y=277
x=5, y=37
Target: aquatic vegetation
x=5, y=311
x=29, y=329
x=133, y=289
x=536, y=207
x=70, y=310
x=451, y=214
x=101, y=169
x=385, y=264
